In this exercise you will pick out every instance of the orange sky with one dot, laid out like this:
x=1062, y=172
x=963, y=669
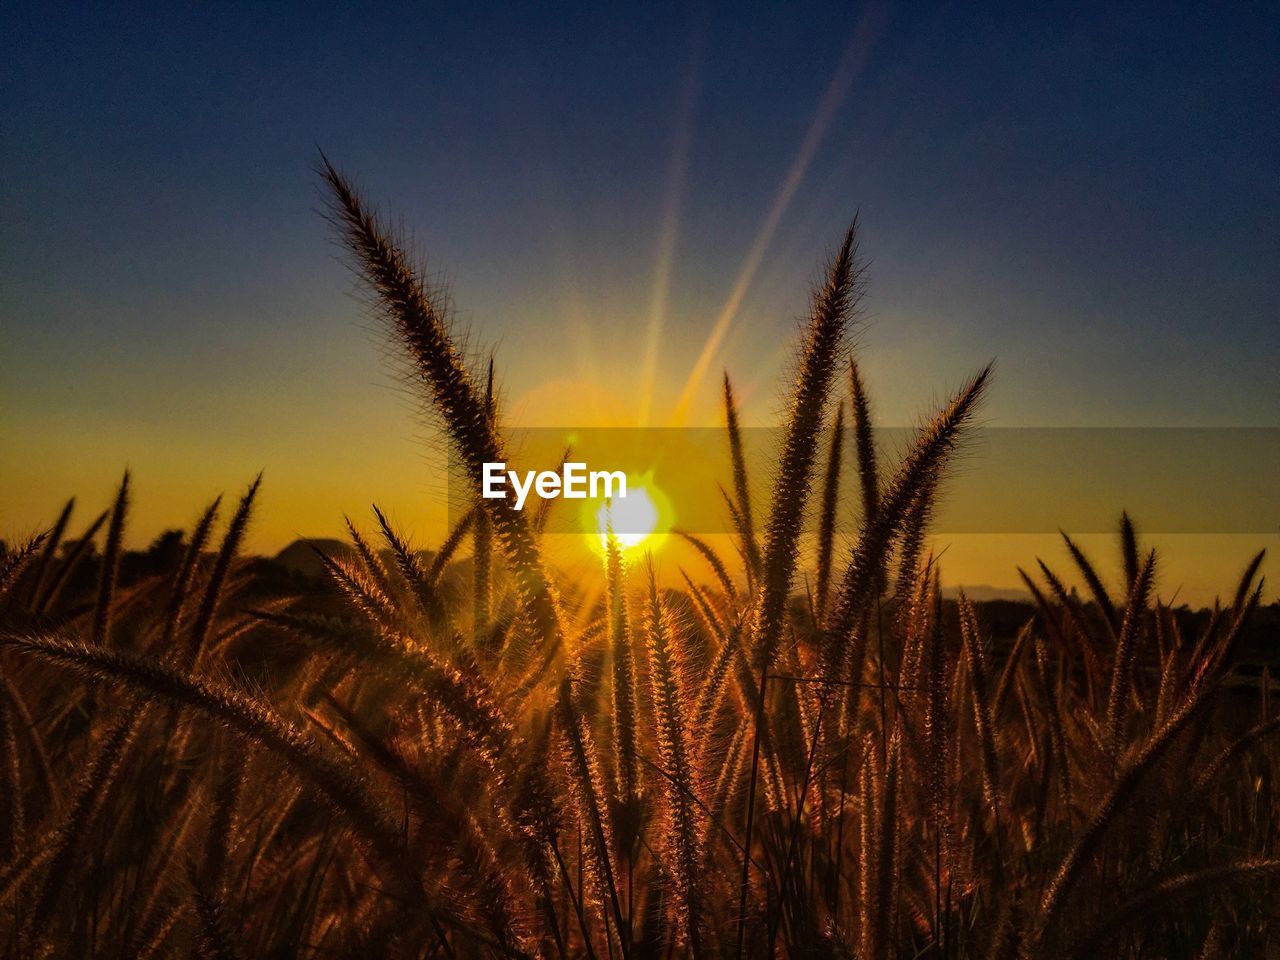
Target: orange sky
x=317, y=471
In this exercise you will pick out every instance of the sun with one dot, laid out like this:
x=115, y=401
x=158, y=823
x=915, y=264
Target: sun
x=643, y=516
x=634, y=517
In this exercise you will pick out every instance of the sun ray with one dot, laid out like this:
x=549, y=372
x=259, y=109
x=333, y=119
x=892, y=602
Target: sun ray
x=851, y=63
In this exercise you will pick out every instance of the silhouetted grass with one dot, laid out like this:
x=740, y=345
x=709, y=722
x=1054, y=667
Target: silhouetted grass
x=194, y=764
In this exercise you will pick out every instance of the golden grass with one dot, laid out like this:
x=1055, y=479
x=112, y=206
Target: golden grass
x=411, y=764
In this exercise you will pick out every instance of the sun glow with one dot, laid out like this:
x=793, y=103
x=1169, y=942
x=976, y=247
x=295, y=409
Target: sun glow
x=643, y=516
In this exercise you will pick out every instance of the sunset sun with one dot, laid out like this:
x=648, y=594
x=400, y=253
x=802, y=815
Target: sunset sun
x=639, y=518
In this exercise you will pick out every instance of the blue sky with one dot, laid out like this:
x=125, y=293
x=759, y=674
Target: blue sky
x=1091, y=195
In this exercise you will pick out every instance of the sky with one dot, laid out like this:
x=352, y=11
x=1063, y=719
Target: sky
x=623, y=201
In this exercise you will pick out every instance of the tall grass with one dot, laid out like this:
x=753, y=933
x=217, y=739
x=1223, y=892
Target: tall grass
x=409, y=763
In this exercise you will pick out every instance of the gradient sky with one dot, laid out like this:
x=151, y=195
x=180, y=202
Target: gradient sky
x=1093, y=197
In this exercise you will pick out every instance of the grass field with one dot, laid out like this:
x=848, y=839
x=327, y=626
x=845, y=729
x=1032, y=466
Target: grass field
x=459, y=753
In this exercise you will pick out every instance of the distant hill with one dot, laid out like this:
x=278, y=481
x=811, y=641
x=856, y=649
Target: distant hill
x=300, y=556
